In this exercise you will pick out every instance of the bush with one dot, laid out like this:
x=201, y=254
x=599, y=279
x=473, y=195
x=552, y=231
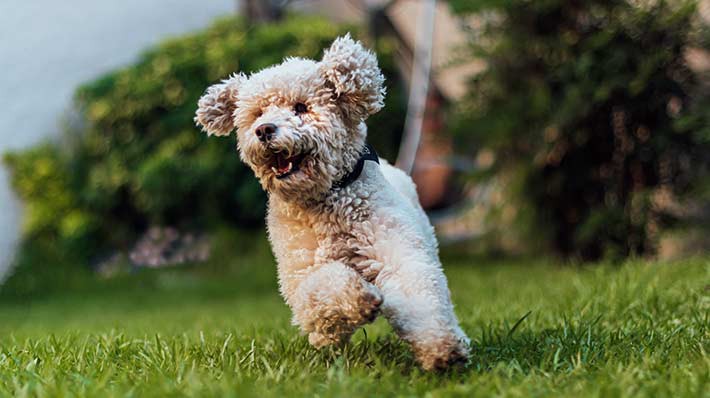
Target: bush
x=592, y=112
x=139, y=160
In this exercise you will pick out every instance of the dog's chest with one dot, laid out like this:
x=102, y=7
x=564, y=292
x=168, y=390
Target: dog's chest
x=345, y=233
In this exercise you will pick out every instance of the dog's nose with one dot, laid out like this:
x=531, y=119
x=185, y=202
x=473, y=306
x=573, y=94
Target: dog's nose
x=266, y=132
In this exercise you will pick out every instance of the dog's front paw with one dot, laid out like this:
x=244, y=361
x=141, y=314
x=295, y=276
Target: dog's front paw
x=335, y=322
x=318, y=340
x=440, y=354
x=370, y=305
x=333, y=302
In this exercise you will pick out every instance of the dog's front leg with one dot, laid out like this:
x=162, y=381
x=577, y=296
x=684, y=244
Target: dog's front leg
x=329, y=300
x=418, y=305
x=332, y=301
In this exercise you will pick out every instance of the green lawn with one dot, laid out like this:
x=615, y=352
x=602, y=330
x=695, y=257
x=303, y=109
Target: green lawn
x=636, y=330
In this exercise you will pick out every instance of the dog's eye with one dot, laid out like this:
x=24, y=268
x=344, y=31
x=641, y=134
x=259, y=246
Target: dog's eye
x=300, y=108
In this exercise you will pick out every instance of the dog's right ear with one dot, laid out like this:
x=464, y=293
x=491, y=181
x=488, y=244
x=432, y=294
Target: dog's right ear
x=215, y=109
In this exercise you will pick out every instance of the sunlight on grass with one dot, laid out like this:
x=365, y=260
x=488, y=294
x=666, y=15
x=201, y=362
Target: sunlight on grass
x=641, y=329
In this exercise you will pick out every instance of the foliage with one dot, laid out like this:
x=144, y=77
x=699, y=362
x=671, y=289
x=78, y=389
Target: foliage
x=592, y=112
x=639, y=330
x=138, y=159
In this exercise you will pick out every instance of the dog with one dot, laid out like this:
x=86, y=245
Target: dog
x=349, y=235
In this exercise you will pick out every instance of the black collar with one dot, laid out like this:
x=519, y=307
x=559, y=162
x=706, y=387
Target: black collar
x=368, y=153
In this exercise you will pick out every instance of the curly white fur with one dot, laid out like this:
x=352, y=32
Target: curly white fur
x=344, y=254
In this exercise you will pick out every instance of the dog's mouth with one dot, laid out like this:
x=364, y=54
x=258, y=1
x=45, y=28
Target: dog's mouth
x=284, y=166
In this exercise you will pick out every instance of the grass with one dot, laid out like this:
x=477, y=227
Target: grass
x=539, y=329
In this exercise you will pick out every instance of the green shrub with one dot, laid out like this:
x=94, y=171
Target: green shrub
x=139, y=160
x=590, y=109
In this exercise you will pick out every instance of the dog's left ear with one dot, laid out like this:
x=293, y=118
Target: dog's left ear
x=352, y=73
x=215, y=109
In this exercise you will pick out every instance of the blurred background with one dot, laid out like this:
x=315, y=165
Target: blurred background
x=571, y=130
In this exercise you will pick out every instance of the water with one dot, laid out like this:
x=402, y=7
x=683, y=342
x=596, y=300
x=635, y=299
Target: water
x=48, y=47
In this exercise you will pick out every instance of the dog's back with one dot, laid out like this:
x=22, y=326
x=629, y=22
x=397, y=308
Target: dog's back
x=401, y=182
x=404, y=185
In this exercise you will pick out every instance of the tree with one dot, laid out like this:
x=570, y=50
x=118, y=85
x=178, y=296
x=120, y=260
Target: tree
x=262, y=11
x=591, y=108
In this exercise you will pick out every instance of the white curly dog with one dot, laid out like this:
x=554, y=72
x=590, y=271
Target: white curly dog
x=348, y=232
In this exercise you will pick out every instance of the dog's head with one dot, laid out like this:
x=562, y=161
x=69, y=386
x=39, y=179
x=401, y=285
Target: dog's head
x=300, y=123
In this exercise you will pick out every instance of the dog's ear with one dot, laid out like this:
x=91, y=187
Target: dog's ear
x=352, y=73
x=215, y=109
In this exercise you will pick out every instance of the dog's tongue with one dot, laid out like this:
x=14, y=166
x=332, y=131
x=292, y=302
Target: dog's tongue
x=282, y=163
